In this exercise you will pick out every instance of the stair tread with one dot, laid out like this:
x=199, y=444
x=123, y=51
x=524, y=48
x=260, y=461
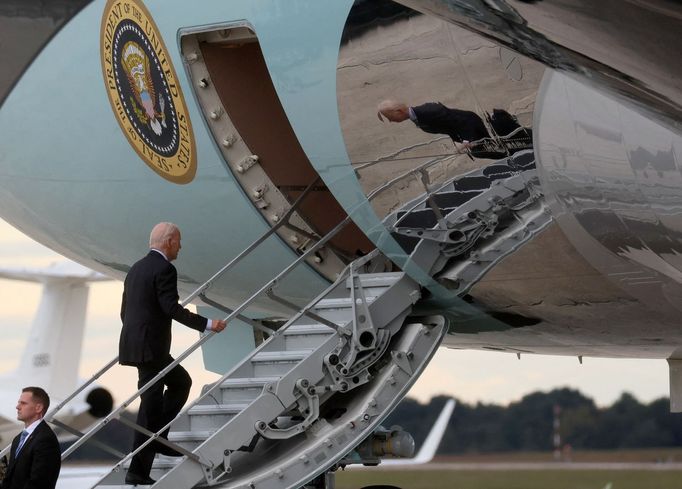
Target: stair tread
x=498, y=169
x=297, y=329
x=247, y=382
x=227, y=408
x=189, y=435
x=418, y=218
x=449, y=200
x=267, y=356
x=162, y=462
x=478, y=182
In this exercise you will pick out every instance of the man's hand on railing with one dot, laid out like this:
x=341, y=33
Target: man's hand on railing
x=217, y=325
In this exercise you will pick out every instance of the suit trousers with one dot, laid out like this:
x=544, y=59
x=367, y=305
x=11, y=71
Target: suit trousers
x=157, y=408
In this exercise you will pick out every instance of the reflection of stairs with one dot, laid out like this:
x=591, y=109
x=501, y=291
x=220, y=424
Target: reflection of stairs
x=308, y=395
x=470, y=223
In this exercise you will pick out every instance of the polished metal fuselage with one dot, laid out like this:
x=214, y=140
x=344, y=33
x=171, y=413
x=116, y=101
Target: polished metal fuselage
x=604, y=278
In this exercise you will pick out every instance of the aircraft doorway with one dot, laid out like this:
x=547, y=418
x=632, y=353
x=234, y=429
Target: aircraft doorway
x=251, y=128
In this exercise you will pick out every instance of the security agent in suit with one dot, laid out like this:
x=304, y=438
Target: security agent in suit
x=463, y=126
x=35, y=458
x=150, y=303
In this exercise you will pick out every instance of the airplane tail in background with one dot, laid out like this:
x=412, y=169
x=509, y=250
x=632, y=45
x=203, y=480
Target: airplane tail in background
x=52, y=354
x=433, y=439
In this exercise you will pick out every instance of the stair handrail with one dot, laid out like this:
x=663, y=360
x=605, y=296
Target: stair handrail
x=236, y=312
x=342, y=276
x=202, y=288
x=282, y=222
x=202, y=340
x=216, y=384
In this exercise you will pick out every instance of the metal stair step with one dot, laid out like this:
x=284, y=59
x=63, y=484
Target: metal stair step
x=301, y=336
x=243, y=390
x=308, y=329
x=205, y=417
x=450, y=200
x=182, y=436
x=336, y=316
x=211, y=409
x=522, y=160
x=280, y=356
x=189, y=440
x=418, y=218
x=276, y=363
x=472, y=183
x=162, y=463
x=247, y=382
x=496, y=172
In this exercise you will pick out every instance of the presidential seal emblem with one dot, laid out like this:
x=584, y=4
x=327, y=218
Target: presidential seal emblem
x=144, y=90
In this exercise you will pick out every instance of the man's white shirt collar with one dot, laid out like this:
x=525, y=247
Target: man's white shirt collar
x=161, y=253
x=30, y=428
x=413, y=115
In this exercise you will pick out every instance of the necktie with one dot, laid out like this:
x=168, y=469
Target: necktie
x=22, y=439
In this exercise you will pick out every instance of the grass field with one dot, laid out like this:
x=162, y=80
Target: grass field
x=521, y=479
x=475, y=478
x=646, y=455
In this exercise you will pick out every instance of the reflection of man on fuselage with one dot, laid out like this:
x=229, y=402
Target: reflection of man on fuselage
x=463, y=126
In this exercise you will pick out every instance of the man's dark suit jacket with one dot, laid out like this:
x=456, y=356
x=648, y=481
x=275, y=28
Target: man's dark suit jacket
x=150, y=302
x=460, y=125
x=38, y=463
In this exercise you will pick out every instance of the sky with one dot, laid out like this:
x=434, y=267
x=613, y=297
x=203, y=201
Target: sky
x=471, y=376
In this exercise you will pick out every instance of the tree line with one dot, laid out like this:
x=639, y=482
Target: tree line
x=527, y=425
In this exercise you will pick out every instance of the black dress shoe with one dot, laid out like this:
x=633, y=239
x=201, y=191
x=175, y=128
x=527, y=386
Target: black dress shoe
x=138, y=480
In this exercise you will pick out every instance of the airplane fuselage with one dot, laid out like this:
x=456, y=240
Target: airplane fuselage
x=97, y=147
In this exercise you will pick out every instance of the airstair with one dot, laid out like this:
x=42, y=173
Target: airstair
x=304, y=400
x=306, y=396
x=464, y=227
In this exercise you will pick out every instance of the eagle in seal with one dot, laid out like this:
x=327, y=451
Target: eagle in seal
x=137, y=68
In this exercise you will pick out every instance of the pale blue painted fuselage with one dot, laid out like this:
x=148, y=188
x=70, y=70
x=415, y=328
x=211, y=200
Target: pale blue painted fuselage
x=93, y=199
